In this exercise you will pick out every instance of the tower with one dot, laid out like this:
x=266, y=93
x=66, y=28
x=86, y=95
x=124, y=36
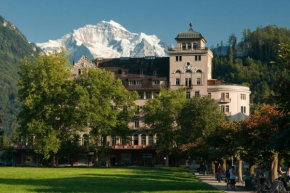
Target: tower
x=190, y=63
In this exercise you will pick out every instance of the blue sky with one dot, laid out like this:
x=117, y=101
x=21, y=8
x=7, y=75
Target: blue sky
x=41, y=20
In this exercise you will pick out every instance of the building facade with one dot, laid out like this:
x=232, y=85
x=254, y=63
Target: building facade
x=188, y=66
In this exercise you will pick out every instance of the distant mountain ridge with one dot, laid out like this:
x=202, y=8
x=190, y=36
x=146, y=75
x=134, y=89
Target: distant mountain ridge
x=107, y=40
x=13, y=47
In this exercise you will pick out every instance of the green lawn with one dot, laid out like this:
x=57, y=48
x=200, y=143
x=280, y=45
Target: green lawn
x=21, y=179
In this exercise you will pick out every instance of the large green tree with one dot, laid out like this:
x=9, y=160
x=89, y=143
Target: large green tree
x=161, y=115
x=104, y=106
x=46, y=113
x=198, y=119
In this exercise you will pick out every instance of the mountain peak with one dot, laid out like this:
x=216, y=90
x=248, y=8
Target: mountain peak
x=114, y=24
x=107, y=39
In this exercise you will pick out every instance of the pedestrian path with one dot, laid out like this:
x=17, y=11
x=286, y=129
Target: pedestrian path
x=220, y=185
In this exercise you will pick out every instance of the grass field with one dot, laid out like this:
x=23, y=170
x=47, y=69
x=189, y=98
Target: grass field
x=21, y=179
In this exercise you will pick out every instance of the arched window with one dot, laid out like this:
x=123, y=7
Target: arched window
x=80, y=71
x=178, y=71
x=150, y=139
x=188, y=71
x=199, y=71
x=85, y=140
x=143, y=139
x=135, y=140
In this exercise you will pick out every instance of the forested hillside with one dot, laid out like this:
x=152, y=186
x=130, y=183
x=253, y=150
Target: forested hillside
x=250, y=62
x=13, y=47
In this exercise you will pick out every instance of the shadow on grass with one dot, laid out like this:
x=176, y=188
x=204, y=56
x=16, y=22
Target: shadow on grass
x=150, y=180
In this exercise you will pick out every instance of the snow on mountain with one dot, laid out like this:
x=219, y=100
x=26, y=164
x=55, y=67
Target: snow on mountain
x=107, y=40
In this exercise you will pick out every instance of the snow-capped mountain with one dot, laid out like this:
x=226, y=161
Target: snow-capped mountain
x=107, y=40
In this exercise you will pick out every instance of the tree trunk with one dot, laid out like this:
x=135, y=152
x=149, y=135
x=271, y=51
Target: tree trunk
x=232, y=161
x=167, y=160
x=53, y=160
x=240, y=172
x=213, y=167
x=224, y=165
x=274, y=167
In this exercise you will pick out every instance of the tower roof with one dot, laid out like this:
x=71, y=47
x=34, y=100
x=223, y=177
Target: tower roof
x=189, y=34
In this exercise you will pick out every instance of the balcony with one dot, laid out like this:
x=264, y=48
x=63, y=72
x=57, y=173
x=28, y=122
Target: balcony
x=188, y=50
x=225, y=100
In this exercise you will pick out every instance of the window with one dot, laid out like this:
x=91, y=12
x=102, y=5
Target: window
x=80, y=71
x=104, y=140
x=123, y=141
x=225, y=96
x=243, y=96
x=223, y=108
x=178, y=58
x=139, y=82
x=198, y=58
x=141, y=95
x=188, y=71
x=196, y=93
x=188, y=95
x=188, y=82
x=243, y=109
x=194, y=45
x=132, y=82
x=198, y=71
x=189, y=46
x=184, y=46
x=135, y=140
x=156, y=82
x=125, y=72
x=209, y=95
x=177, y=81
x=120, y=71
x=143, y=139
x=136, y=124
x=178, y=72
x=85, y=140
x=142, y=72
x=150, y=139
x=227, y=108
x=154, y=72
x=148, y=95
x=198, y=81
x=113, y=140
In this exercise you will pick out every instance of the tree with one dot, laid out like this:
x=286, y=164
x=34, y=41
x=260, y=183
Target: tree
x=199, y=117
x=104, y=106
x=260, y=129
x=161, y=115
x=46, y=109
